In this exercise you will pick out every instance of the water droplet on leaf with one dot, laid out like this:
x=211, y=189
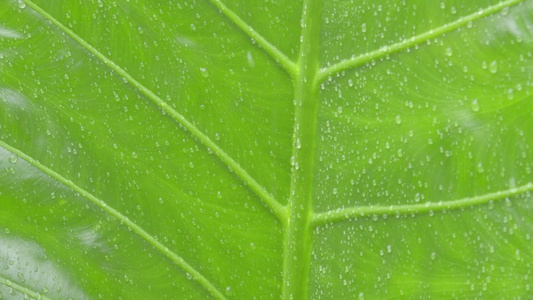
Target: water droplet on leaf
x=398, y=119
x=204, y=72
x=493, y=67
x=474, y=105
x=13, y=158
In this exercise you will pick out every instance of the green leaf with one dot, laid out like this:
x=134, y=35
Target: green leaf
x=266, y=149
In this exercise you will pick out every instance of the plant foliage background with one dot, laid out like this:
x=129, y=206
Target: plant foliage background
x=266, y=149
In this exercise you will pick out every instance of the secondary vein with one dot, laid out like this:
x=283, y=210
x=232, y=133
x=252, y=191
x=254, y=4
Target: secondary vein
x=278, y=209
x=340, y=215
x=178, y=260
x=288, y=65
x=22, y=289
x=410, y=42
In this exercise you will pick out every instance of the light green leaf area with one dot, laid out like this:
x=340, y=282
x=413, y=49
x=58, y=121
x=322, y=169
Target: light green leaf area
x=204, y=149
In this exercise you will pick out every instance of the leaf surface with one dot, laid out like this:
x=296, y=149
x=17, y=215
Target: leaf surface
x=262, y=150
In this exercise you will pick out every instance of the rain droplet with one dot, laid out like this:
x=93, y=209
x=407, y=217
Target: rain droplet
x=204, y=72
x=13, y=158
x=474, y=105
x=21, y=4
x=400, y=152
x=491, y=205
x=493, y=68
x=480, y=168
x=508, y=202
x=363, y=27
x=449, y=51
x=505, y=11
x=510, y=94
x=398, y=119
x=298, y=144
x=250, y=59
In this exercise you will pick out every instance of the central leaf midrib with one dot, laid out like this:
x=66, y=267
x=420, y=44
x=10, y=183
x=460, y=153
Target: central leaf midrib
x=298, y=232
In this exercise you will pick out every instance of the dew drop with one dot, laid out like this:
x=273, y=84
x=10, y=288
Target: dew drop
x=229, y=292
x=491, y=205
x=204, y=72
x=363, y=27
x=480, y=168
x=398, y=119
x=493, y=67
x=510, y=94
x=400, y=152
x=474, y=105
x=21, y=4
x=13, y=158
x=508, y=202
x=449, y=51
x=505, y=11
x=250, y=59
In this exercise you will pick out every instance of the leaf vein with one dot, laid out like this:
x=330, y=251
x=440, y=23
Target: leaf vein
x=362, y=59
x=178, y=260
x=277, y=208
x=22, y=289
x=340, y=215
x=288, y=65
